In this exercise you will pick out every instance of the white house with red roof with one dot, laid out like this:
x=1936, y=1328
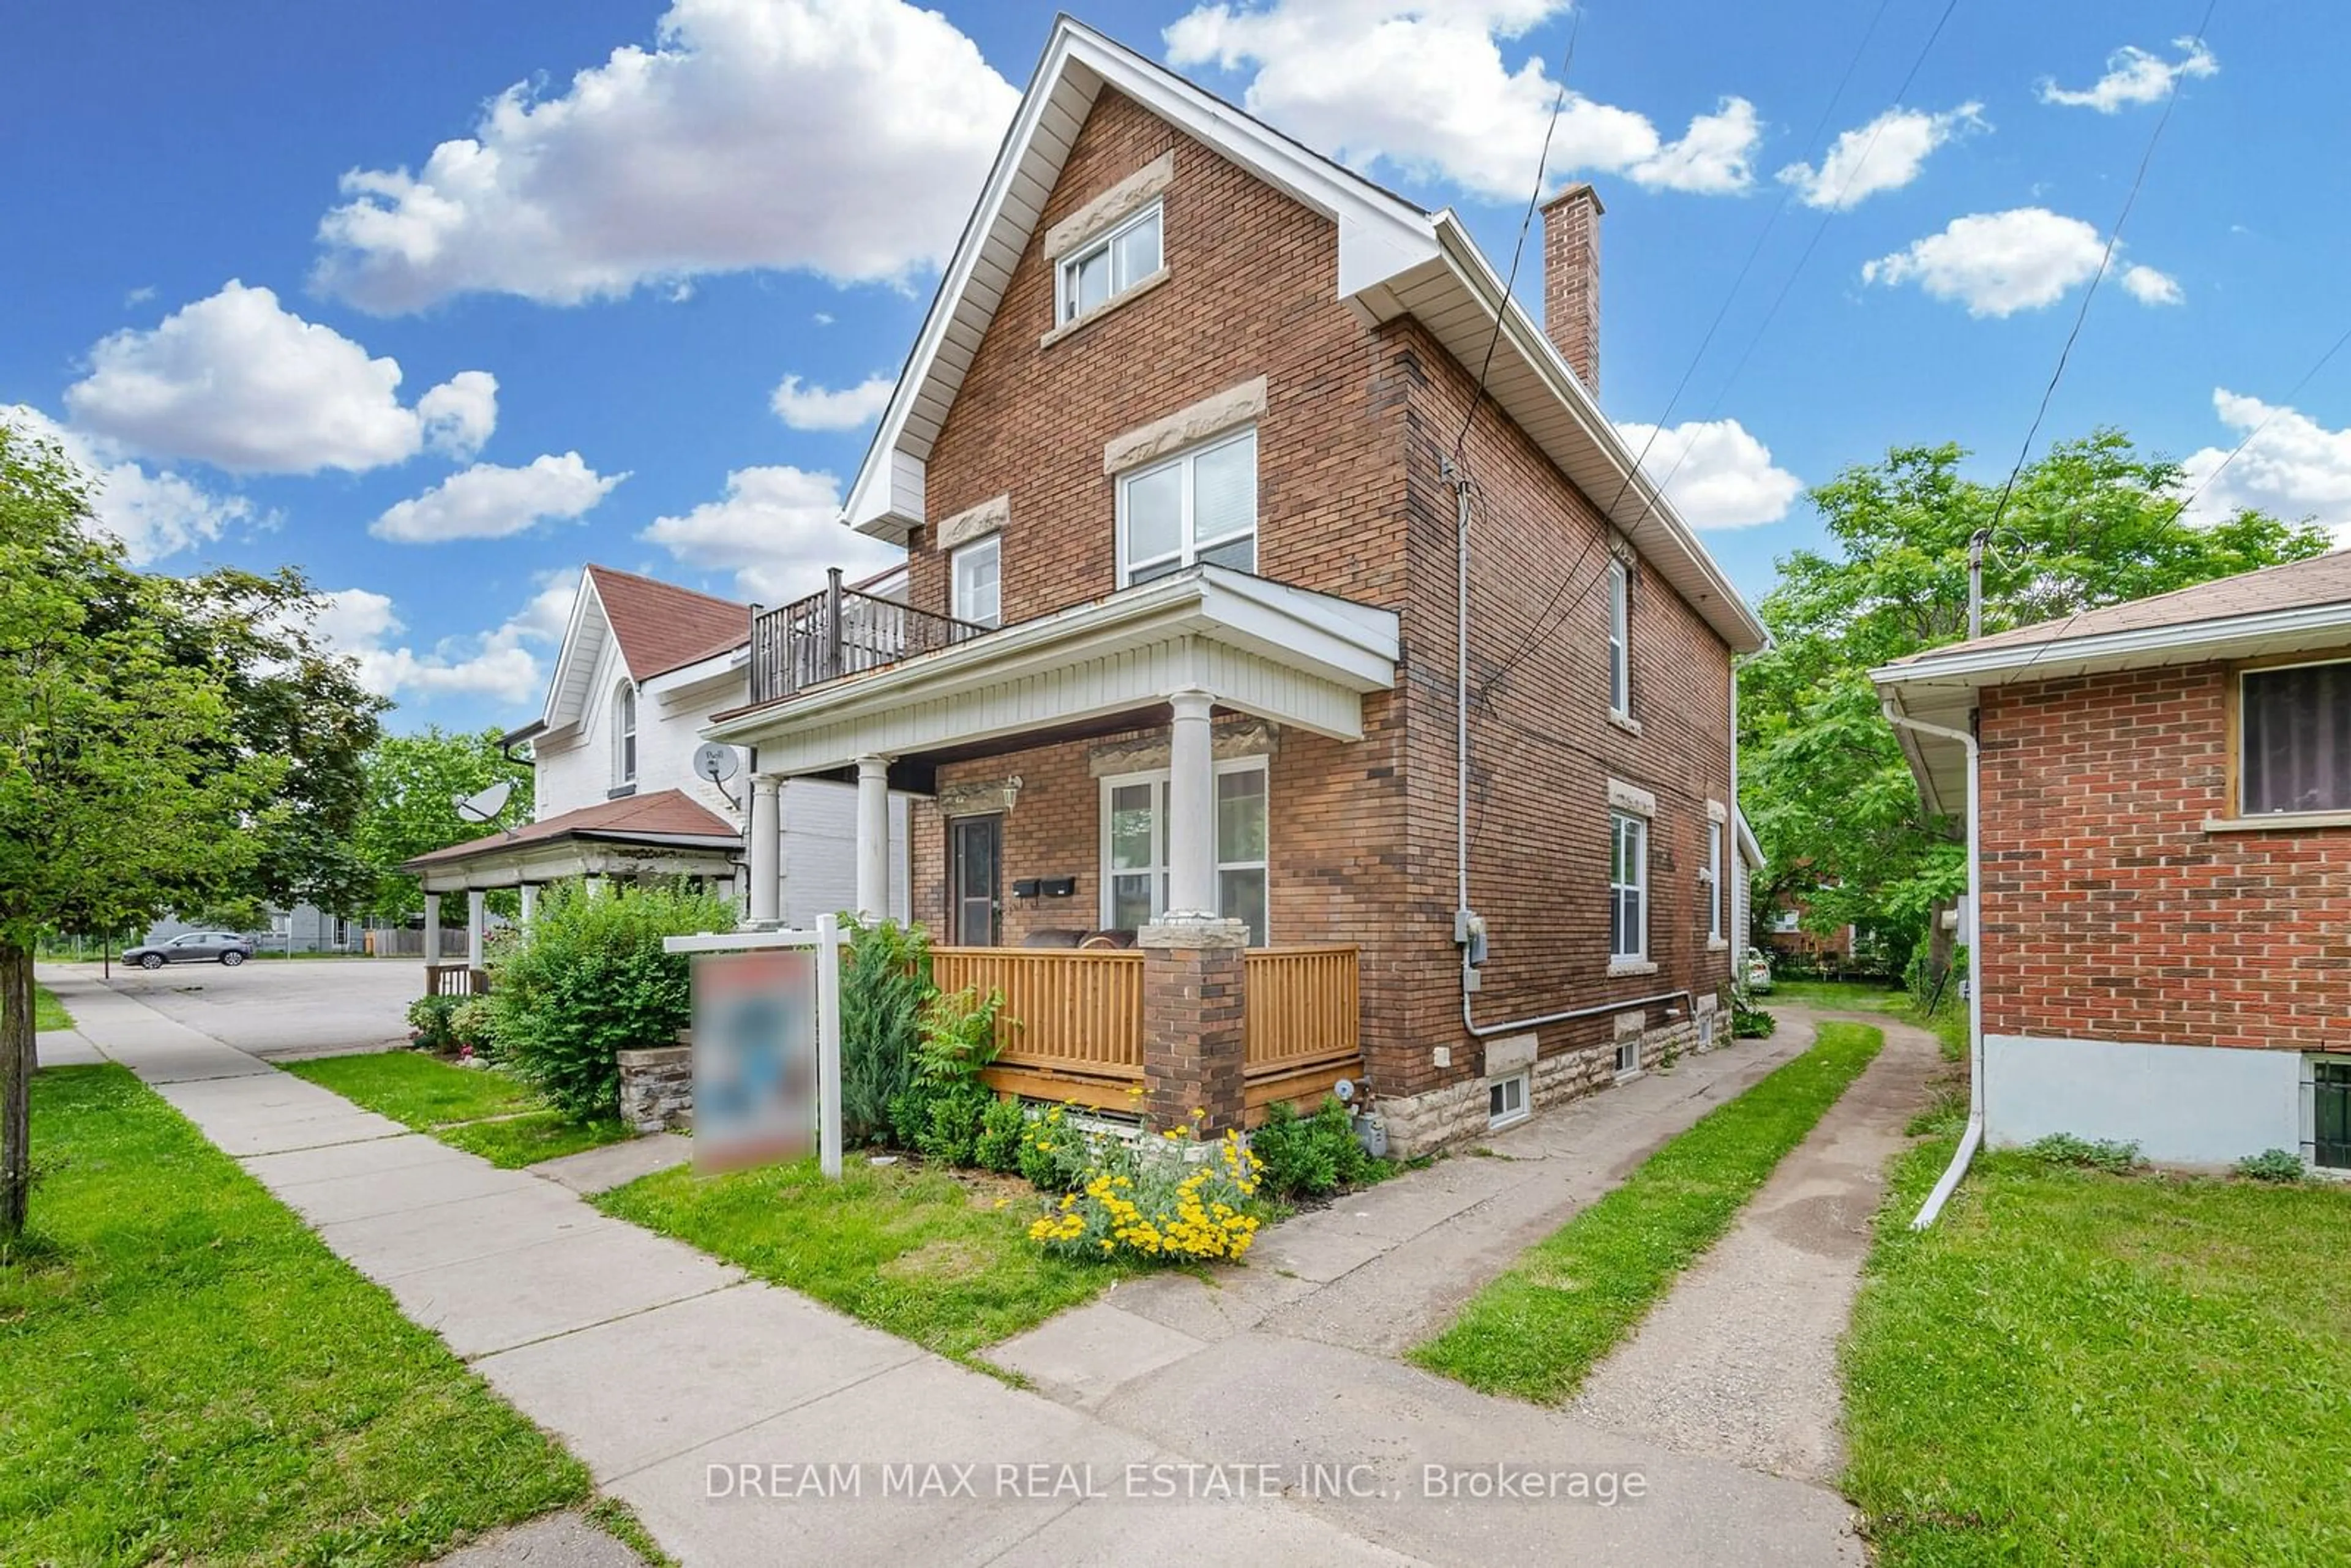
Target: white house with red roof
x=643, y=665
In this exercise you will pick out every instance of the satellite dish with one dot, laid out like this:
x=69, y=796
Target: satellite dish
x=716, y=761
x=484, y=805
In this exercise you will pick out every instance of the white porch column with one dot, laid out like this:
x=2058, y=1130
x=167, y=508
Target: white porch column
x=872, y=838
x=1191, y=811
x=760, y=830
x=477, y=911
x=592, y=886
x=431, y=928
x=530, y=901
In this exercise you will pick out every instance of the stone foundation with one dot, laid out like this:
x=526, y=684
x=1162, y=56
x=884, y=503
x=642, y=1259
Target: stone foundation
x=658, y=1088
x=1459, y=1113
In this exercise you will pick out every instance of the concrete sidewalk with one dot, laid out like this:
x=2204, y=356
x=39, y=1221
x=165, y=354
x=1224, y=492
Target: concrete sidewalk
x=663, y=1369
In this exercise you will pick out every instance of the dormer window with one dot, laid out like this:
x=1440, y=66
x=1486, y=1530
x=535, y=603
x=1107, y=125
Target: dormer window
x=1108, y=268
x=624, y=735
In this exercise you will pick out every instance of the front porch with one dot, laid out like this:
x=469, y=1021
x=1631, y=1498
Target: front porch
x=1124, y=810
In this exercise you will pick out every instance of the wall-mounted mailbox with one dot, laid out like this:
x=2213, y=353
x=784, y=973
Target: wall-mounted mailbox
x=1061, y=886
x=1025, y=888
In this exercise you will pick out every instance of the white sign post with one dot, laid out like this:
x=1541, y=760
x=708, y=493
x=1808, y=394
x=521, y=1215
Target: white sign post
x=826, y=939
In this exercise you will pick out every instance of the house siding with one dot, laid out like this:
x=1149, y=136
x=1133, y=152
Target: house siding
x=2109, y=912
x=1353, y=502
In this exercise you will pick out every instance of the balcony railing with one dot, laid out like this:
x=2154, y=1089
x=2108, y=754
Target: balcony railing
x=839, y=631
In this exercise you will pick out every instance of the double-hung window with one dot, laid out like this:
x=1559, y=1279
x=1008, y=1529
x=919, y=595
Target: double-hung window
x=2295, y=740
x=1628, y=887
x=979, y=581
x=1109, y=265
x=1620, y=643
x=624, y=735
x=1710, y=879
x=1200, y=505
x=1134, y=847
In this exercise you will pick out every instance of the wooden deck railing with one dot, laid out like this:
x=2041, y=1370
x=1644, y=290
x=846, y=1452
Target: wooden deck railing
x=1072, y=1025
x=840, y=631
x=455, y=981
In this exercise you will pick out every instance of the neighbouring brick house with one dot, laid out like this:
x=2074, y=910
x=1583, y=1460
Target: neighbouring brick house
x=2165, y=834
x=1174, y=460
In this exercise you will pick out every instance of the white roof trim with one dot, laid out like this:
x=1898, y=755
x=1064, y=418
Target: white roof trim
x=2191, y=642
x=684, y=678
x=575, y=660
x=1379, y=234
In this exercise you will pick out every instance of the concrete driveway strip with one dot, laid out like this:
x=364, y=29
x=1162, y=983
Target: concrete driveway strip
x=1739, y=1360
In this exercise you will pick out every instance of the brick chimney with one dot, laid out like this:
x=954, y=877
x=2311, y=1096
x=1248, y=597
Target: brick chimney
x=1571, y=280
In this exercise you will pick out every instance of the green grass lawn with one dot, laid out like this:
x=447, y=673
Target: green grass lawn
x=190, y=1377
x=1948, y=1023
x=477, y=1109
x=48, y=1012
x=916, y=1252
x=1538, y=1330
x=2077, y=1368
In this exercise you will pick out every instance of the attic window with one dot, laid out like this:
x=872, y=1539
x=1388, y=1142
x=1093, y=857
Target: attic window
x=1091, y=278
x=624, y=735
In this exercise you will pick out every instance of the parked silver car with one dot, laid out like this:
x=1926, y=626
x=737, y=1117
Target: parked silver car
x=194, y=948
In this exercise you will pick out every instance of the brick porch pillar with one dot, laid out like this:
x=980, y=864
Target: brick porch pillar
x=1192, y=1022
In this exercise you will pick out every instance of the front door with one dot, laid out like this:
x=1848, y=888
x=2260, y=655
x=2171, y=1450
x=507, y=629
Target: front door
x=975, y=879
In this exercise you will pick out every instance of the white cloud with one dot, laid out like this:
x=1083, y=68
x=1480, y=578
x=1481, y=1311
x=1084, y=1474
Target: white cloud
x=1424, y=87
x=1997, y=264
x=776, y=530
x=238, y=382
x=495, y=664
x=844, y=137
x=2149, y=286
x=2134, y=75
x=1715, y=473
x=2294, y=468
x=814, y=408
x=155, y=514
x=1885, y=154
x=487, y=502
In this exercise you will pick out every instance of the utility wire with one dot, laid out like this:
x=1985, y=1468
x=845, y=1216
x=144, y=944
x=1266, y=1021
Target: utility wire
x=2275, y=409
x=2064, y=354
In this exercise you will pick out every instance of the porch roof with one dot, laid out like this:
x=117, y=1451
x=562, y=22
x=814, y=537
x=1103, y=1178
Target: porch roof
x=1256, y=647
x=664, y=833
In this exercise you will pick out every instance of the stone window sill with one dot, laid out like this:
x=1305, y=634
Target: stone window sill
x=1619, y=967
x=1624, y=721
x=1079, y=324
x=1716, y=945
x=2278, y=822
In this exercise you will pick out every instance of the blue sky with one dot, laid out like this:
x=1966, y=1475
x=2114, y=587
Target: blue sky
x=643, y=316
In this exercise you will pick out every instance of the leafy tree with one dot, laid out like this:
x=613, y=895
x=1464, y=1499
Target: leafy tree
x=117, y=795
x=2093, y=523
x=410, y=787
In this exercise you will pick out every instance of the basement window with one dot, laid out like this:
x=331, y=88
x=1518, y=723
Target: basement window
x=1629, y=1056
x=1506, y=1101
x=2330, y=1113
x=2295, y=740
x=1093, y=277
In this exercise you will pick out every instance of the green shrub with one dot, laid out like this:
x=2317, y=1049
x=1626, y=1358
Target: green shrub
x=430, y=1017
x=958, y=1038
x=1310, y=1156
x=1056, y=1154
x=473, y=1022
x=884, y=985
x=1749, y=1021
x=1001, y=1132
x=1163, y=1202
x=957, y=1112
x=2273, y=1164
x=588, y=979
x=2065, y=1149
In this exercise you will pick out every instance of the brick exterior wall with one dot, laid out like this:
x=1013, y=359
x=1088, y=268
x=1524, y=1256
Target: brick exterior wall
x=1192, y=1004
x=1352, y=502
x=2110, y=914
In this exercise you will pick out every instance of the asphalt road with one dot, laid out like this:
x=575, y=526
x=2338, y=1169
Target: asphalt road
x=277, y=1007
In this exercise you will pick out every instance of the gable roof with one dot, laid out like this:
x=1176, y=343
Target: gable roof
x=662, y=626
x=1395, y=260
x=664, y=817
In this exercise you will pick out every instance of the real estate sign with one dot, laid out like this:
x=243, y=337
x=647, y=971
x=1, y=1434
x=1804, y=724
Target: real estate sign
x=755, y=1056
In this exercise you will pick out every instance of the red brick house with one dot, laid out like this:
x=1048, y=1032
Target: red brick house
x=1179, y=671
x=2165, y=839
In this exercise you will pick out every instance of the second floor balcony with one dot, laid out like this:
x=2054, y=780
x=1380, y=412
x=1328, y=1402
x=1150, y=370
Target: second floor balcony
x=841, y=631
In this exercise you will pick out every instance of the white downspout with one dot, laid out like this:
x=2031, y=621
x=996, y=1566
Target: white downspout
x=1972, y=1137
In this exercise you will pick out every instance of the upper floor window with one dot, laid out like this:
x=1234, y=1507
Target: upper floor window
x=1711, y=880
x=979, y=587
x=2295, y=752
x=1620, y=642
x=1092, y=278
x=1628, y=886
x=624, y=735
x=1197, y=506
